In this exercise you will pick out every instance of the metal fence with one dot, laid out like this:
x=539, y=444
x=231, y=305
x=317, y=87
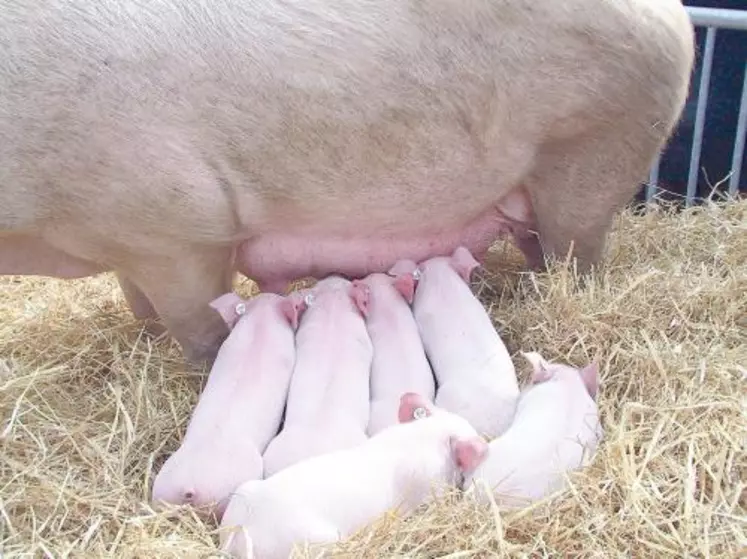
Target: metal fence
x=712, y=19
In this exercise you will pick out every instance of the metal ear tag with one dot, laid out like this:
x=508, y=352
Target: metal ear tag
x=240, y=308
x=419, y=413
x=309, y=299
x=416, y=274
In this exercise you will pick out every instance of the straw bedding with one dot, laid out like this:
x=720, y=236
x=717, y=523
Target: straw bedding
x=91, y=406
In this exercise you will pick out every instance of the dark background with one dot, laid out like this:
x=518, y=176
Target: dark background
x=727, y=75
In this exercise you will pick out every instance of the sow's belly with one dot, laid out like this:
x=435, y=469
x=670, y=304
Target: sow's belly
x=273, y=260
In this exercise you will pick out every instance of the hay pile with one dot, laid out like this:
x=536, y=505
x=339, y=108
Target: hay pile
x=90, y=406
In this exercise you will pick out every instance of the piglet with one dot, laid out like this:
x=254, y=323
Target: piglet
x=241, y=406
x=474, y=372
x=399, y=361
x=328, y=497
x=328, y=399
x=555, y=429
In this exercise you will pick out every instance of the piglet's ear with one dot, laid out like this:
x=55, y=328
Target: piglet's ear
x=405, y=284
x=464, y=263
x=230, y=307
x=590, y=376
x=292, y=306
x=541, y=368
x=412, y=405
x=469, y=452
x=360, y=293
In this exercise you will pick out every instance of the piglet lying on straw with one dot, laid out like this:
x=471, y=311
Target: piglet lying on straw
x=474, y=372
x=328, y=399
x=330, y=496
x=555, y=429
x=241, y=406
x=399, y=361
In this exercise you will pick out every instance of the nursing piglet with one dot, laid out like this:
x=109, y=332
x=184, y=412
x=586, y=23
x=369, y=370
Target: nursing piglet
x=555, y=429
x=328, y=399
x=241, y=406
x=399, y=361
x=329, y=497
x=474, y=372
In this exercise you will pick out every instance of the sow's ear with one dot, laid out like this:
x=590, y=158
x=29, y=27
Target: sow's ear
x=590, y=376
x=464, y=263
x=230, y=307
x=409, y=405
x=468, y=452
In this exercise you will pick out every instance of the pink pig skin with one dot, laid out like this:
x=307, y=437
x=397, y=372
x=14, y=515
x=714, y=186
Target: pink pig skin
x=399, y=362
x=474, y=372
x=328, y=400
x=555, y=430
x=241, y=406
x=330, y=496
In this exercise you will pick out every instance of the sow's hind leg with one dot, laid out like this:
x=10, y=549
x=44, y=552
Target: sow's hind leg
x=179, y=287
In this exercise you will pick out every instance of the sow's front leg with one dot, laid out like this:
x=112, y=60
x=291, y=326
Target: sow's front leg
x=595, y=165
x=180, y=288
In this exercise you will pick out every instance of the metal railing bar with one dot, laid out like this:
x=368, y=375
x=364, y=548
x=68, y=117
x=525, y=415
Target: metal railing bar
x=653, y=179
x=718, y=17
x=705, y=79
x=739, y=140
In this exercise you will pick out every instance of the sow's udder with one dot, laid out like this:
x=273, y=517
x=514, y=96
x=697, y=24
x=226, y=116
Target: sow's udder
x=274, y=260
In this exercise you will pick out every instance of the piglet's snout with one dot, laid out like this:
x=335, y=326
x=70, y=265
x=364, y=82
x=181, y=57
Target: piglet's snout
x=188, y=494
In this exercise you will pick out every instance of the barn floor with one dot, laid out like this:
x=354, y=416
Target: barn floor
x=89, y=405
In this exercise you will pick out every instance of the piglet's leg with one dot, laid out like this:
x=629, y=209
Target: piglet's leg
x=180, y=287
